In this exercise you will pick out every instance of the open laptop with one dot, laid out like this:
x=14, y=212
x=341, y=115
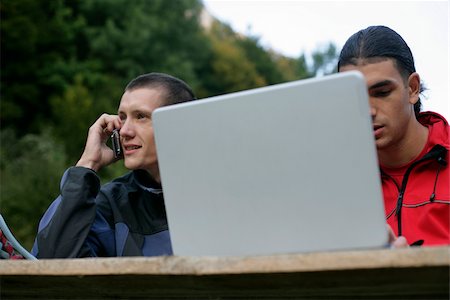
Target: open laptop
x=281, y=169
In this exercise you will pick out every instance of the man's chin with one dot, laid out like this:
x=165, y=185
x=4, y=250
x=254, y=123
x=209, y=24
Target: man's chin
x=381, y=144
x=130, y=165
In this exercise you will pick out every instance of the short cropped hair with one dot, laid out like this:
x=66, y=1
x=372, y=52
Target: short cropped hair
x=175, y=89
x=378, y=42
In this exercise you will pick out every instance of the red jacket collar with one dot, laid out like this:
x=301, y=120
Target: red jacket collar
x=438, y=129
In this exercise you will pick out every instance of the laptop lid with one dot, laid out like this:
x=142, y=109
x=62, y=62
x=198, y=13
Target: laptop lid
x=280, y=169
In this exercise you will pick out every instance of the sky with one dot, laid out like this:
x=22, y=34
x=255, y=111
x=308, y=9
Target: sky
x=294, y=27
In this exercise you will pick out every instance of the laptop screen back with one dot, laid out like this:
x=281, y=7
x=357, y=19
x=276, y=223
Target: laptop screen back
x=281, y=169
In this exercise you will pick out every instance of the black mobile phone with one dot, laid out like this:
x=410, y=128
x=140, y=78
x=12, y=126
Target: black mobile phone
x=116, y=145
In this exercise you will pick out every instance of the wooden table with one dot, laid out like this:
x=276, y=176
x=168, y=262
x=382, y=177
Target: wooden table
x=414, y=273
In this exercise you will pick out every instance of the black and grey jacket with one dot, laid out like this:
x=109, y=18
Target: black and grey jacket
x=125, y=217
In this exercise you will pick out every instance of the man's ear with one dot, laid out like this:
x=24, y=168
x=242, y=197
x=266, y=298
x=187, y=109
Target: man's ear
x=414, y=87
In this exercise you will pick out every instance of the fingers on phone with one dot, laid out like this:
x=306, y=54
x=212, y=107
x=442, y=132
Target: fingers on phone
x=109, y=123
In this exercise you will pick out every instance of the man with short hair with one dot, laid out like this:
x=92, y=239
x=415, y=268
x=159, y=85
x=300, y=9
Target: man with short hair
x=412, y=146
x=125, y=217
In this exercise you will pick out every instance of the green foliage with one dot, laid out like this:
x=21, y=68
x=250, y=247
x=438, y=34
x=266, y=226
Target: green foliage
x=132, y=38
x=263, y=60
x=30, y=171
x=65, y=62
x=230, y=66
x=232, y=71
x=77, y=108
x=239, y=62
x=36, y=37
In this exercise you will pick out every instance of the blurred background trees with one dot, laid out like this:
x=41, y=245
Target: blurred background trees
x=64, y=62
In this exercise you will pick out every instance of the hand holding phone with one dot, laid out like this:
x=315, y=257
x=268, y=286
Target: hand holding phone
x=116, y=145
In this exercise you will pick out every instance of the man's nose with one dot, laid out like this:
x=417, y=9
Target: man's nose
x=127, y=129
x=372, y=107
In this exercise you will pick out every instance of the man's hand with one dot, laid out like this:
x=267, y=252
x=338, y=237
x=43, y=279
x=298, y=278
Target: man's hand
x=396, y=242
x=96, y=153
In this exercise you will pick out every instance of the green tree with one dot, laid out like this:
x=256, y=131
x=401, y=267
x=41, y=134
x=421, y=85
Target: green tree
x=37, y=39
x=30, y=171
x=263, y=60
x=232, y=70
x=131, y=38
x=229, y=68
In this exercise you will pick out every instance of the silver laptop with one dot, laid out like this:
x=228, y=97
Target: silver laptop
x=281, y=169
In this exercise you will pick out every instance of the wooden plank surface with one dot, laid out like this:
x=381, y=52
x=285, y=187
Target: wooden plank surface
x=414, y=273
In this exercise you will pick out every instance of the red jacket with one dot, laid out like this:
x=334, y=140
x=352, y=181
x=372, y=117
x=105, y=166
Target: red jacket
x=416, y=196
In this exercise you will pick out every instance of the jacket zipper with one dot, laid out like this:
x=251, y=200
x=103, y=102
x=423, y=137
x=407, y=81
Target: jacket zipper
x=437, y=152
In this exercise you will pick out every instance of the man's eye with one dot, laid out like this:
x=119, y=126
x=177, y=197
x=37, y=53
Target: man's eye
x=382, y=93
x=141, y=116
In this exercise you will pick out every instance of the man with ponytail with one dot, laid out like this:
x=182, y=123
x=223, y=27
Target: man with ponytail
x=412, y=146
